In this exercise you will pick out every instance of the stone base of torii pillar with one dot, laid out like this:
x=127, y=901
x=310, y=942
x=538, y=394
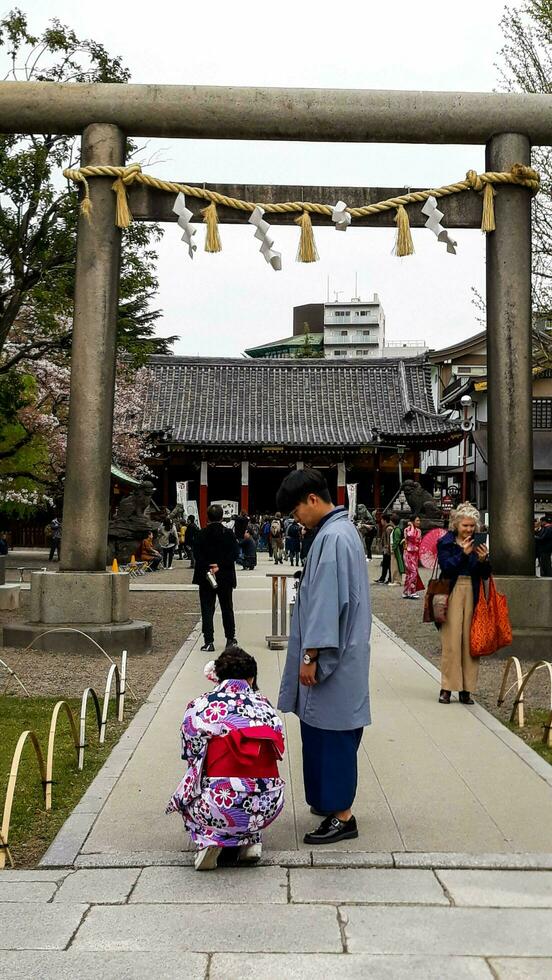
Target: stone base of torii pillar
x=94, y=603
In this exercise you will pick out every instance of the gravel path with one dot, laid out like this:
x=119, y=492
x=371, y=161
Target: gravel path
x=173, y=616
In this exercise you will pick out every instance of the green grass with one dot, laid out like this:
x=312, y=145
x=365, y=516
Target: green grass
x=532, y=733
x=32, y=829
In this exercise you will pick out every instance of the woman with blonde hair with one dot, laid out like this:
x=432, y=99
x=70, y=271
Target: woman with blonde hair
x=464, y=564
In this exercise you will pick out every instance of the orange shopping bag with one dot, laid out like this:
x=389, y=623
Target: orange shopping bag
x=499, y=606
x=483, y=629
x=490, y=628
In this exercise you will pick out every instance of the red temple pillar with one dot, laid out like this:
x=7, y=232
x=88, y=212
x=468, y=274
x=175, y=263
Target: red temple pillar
x=341, y=482
x=203, y=493
x=244, y=494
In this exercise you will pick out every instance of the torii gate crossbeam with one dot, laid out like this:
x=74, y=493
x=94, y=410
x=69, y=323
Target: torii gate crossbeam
x=106, y=114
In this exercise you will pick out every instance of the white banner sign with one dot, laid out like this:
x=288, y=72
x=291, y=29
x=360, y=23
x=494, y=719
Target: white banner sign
x=182, y=494
x=352, y=489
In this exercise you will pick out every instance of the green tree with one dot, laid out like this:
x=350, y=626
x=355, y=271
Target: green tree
x=38, y=214
x=307, y=348
x=526, y=65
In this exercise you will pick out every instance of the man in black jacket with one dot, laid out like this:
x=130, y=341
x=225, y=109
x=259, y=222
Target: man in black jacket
x=215, y=551
x=543, y=542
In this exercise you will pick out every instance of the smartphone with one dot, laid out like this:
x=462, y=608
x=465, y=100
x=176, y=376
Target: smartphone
x=480, y=538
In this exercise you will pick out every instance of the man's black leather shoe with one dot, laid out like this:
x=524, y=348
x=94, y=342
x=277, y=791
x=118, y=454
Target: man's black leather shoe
x=332, y=830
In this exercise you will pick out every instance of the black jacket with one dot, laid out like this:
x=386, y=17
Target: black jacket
x=240, y=526
x=543, y=541
x=454, y=562
x=215, y=545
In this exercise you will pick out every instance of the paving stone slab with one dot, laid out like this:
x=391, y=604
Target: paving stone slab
x=449, y=932
x=380, y=886
x=231, y=886
x=65, y=847
x=351, y=859
x=499, y=889
x=136, y=859
x=33, y=874
x=440, y=859
x=210, y=928
x=70, y=965
x=26, y=891
x=360, y=966
x=98, y=885
x=22, y=928
x=523, y=969
x=287, y=859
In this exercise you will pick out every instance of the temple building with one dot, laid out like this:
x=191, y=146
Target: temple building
x=460, y=371
x=233, y=428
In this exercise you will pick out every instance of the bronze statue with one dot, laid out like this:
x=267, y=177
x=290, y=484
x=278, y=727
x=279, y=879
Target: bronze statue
x=132, y=523
x=422, y=504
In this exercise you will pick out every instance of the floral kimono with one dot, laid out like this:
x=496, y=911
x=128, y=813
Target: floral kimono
x=412, y=541
x=226, y=811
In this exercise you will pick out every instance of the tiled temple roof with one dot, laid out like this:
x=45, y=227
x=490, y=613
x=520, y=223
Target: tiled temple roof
x=200, y=401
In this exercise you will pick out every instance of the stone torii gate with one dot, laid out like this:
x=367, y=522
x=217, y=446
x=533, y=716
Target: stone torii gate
x=105, y=114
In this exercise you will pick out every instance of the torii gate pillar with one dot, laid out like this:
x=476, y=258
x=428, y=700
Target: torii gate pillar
x=83, y=594
x=510, y=428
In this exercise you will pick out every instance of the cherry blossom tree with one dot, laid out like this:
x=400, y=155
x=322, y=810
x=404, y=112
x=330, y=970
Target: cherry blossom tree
x=34, y=442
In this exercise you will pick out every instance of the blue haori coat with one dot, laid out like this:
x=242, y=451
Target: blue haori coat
x=332, y=614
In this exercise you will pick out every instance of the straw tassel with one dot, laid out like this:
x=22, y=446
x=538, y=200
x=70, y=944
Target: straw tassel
x=212, y=237
x=123, y=217
x=307, y=247
x=488, y=215
x=86, y=203
x=404, y=244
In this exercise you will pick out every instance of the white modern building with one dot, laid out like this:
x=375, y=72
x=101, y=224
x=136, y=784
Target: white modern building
x=354, y=329
x=357, y=329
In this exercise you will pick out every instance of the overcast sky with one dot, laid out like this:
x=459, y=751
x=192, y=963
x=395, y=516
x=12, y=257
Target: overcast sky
x=220, y=304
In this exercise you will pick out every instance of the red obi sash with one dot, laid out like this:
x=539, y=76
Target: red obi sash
x=251, y=752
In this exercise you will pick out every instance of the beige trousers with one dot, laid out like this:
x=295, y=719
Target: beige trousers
x=396, y=576
x=459, y=670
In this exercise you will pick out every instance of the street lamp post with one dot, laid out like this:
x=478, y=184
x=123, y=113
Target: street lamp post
x=466, y=402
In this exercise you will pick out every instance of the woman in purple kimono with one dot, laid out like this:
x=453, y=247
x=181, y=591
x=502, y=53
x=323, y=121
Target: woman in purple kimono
x=412, y=540
x=232, y=740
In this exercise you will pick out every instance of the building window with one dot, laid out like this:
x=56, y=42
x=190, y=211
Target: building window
x=360, y=353
x=344, y=333
x=365, y=333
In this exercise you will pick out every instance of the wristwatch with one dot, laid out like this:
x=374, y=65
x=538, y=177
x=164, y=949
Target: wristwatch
x=309, y=660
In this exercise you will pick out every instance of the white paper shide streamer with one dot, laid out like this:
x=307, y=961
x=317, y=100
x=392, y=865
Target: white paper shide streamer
x=434, y=224
x=184, y=221
x=262, y=233
x=341, y=217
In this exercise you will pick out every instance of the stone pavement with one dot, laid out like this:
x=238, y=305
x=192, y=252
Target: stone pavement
x=451, y=875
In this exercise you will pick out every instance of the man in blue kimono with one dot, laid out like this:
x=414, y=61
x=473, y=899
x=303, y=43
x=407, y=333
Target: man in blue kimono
x=325, y=679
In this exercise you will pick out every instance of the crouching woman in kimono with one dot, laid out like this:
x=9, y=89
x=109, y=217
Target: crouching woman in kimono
x=232, y=740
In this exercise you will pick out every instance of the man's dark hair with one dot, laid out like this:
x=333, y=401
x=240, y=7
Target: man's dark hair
x=236, y=664
x=191, y=519
x=296, y=487
x=214, y=513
